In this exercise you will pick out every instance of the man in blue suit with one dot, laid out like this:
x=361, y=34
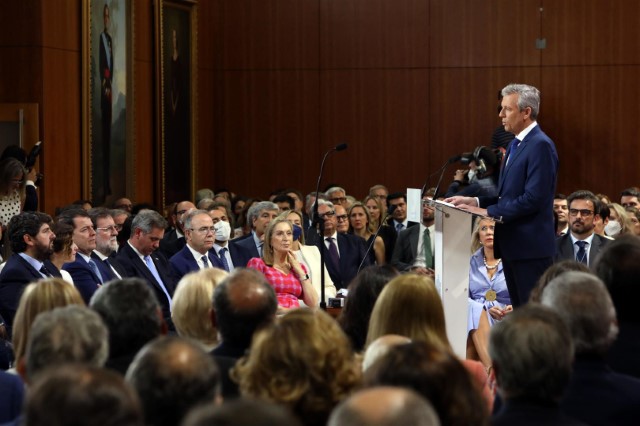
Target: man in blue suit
x=197, y=253
x=31, y=240
x=526, y=239
x=259, y=215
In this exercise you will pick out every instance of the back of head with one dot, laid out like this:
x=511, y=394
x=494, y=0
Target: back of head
x=72, y=334
x=552, y=272
x=243, y=302
x=532, y=353
x=385, y=406
x=584, y=304
x=619, y=268
x=81, y=395
x=410, y=306
x=435, y=374
x=241, y=412
x=380, y=347
x=171, y=376
x=130, y=311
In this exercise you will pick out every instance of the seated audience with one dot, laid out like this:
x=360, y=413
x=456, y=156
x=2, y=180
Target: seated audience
x=552, y=272
x=619, y=223
x=377, y=213
x=191, y=312
x=173, y=375
x=363, y=293
x=435, y=374
x=12, y=391
x=303, y=361
x=64, y=249
x=133, y=316
x=81, y=395
x=360, y=225
x=384, y=406
x=282, y=269
x=241, y=412
x=596, y=395
x=380, y=347
x=532, y=354
x=633, y=214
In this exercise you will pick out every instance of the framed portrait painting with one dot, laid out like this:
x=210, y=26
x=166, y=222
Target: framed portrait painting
x=108, y=113
x=176, y=54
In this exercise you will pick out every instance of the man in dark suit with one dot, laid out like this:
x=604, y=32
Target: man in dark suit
x=581, y=244
x=260, y=216
x=106, y=244
x=343, y=252
x=228, y=254
x=525, y=241
x=106, y=96
x=86, y=274
x=596, y=394
x=31, y=240
x=140, y=258
x=174, y=241
x=411, y=252
x=197, y=253
x=398, y=218
x=532, y=353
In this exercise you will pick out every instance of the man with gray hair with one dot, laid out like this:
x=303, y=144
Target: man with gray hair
x=532, y=353
x=197, y=253
x=337, y=195
x=259, y=216
x=140, y=258
x=384, y=406
x=595, y=395
x=72, y=334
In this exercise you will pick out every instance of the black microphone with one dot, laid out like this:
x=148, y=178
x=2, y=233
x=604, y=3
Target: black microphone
x=373, y=240
x=318, y=223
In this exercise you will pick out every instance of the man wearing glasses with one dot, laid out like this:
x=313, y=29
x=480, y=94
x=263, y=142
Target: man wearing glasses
x=337, y=195
x=196, y=254
x=174, y=240
x=106, y=243
x=581, y=243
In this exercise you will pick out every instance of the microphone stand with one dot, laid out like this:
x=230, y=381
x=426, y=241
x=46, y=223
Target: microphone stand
x=441, y=171
x=373, y=240
x=318, y=223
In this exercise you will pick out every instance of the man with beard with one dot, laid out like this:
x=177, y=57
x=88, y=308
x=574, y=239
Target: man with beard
x=581, y=244
x=31, y=240
x=415, y=245
x=106, y=244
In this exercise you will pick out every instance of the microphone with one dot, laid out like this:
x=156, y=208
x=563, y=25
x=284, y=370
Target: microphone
x=33, y=155
x=373, y=240
x=318, y=223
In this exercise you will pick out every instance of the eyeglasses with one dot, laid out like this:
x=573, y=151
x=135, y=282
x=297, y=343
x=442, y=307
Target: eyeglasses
x=583, y=213
x=625, y=205
x=119, y=228
x=330, y=213
x=338, y=200
x=205, y=229
x=108, y=229
x=342, y=217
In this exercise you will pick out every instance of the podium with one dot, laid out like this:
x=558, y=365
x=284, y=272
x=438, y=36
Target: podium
x=452, y=256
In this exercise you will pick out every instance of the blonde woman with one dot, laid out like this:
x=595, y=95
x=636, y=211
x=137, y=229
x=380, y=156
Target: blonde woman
x=191, y=308
x=360, y=225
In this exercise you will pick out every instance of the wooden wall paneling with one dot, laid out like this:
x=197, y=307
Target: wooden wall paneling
x=374, y=33
x=21, y=74
x=21, y=23
x=586, y=113
x=61, y=24
x=268, y=130
x=476, y=33
x=384, y=117
x=272, y=34
x=206, y=147
x=145, y=138
x=591, y=32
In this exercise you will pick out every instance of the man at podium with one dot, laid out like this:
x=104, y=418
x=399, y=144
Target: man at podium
x=525, y=240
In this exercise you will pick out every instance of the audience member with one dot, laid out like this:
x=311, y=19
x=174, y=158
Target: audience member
x=243, y=224
x=241, y=412
x=191, y=312
x=633, y=214
x=377, y=211
x=342, y=219
x=596, y=395
x=106, y=243
x=361, y=226
x=619, y=223
x=133, y=316
x=12, y=391
x=259, y=217
x=630, y=197
x=173, y=375
x=123, y=204
x=337, y=195
x=415, y=246
x=552, y=272
x=174, y=240
x=31, y=241
x=64, y=249
x=303, y=361
x=229, y=254
x=532, y=353
x=561, y=207
x=384, y=406
x=81, y=395
x=380, y=347
x=399, y=215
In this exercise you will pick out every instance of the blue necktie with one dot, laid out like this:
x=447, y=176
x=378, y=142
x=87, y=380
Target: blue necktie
x=333, y=253
x=156, y=275
x=399, y=227
x=44, y=271
x=95, y=270
x=223, y=258
x=205, y=261
x=581, y=256
x=512, y=148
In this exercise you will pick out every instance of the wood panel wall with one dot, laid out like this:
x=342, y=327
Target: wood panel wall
x=407, y=83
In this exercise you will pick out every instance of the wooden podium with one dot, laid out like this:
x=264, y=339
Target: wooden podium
x=452, y=256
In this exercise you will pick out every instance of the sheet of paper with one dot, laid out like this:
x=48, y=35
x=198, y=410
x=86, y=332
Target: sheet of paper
x=414, y=205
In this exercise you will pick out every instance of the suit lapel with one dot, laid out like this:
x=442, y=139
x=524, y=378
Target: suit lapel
x=414, y=236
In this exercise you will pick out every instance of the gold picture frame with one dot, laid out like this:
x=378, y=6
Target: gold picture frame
x=176, y=100
x=107, y=101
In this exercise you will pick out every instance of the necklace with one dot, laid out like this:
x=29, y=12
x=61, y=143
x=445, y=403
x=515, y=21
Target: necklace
x=491, y=266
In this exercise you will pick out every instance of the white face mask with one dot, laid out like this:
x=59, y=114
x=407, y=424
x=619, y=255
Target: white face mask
x=471, y=174
x=612, y=228
x=223, y=231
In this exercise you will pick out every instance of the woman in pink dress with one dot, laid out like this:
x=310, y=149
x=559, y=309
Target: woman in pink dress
x=281, y=268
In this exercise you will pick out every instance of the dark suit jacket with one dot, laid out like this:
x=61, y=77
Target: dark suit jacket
x=136, y=267
x=183, y=262
x=237, y=257
x=522, y=412
x=12, y=391
x=85, y=280
x=352, y=250
x=171, y=244
x=598, y=396
x=105, y=269
x=526, y=189
x=406, y=248
x=245, y=250
x=15, y=275
x=565, y=248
